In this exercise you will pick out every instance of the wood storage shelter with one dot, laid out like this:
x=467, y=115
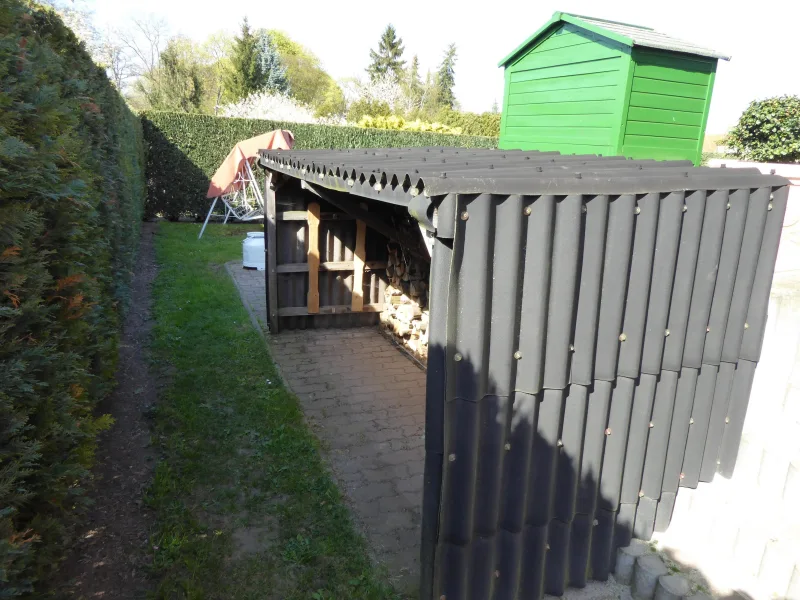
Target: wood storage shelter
x=581, y=85
x=595, y=327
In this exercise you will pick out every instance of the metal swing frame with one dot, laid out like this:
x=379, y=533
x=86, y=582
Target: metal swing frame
x=245, y=202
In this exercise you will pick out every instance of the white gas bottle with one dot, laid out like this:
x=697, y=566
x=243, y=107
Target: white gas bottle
x=253, y=251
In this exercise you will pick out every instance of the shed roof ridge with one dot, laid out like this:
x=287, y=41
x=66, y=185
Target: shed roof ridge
x=607, y=21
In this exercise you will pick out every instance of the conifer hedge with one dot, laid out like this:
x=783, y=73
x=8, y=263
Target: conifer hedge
x=184, y=151
x=71, y=198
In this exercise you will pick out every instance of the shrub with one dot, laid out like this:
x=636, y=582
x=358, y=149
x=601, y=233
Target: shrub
x=486, y=124
x=184, y=151
x=71, y=195
x=768, y=131
x=270, y=105
x=400, y=124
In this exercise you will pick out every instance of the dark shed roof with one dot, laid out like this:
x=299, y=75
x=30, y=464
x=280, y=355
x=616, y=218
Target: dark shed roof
x=396, y=175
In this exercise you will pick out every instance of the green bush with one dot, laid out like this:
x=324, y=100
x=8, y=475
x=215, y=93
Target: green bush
x=71, y=196
x=400, y=124
x=485, y=124
x=184, y=151
x=768, y=131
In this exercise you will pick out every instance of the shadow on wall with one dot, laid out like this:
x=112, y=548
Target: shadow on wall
x=561, y=503
x=176, y=187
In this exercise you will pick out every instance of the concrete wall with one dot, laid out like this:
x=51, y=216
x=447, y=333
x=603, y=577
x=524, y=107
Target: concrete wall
x=743, y=534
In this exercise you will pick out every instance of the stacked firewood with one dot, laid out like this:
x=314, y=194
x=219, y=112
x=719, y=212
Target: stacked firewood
x=405, y=314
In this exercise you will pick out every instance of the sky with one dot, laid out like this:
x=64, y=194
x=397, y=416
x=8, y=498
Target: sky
x=762, y=38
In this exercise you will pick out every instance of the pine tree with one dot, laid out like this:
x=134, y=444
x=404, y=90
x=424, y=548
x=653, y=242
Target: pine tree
x=242, y=78
x=413, y=84
x=271, y=73
x=495, y=108
x=446, y=78
x=388, y=58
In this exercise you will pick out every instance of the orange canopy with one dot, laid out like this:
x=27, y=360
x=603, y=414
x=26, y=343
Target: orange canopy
x=223, y=179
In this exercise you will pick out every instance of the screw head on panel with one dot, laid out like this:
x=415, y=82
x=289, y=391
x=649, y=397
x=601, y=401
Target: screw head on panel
x=685, y=208
x=572, y=347
x=377, y=187
x=595, y=523
x=728, y=207
x=622, y=337
x=583, y=208
x=464, y=216
x=517, y=355
x=451, y=458
x=547, y=547
x=497, y=574
x=559, y=443
x=527, y=211
x=666, y=333
x=414, y=192
x=651, y=424
x=507, y=447
x=351, y=182
x=608, y=431
x=683, y=475
x=747, y=326
x=641, y=494
x=457, y=357
x=708, y=329
x=691, y=421
x=769, y=206
x=637, y=210
x=727, y=420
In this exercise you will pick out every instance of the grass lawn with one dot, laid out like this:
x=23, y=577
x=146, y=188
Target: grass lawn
x=245, y=507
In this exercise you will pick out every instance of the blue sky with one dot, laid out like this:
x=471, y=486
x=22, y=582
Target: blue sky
x=762, y=38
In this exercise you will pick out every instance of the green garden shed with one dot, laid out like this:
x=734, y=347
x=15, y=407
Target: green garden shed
x=581, y=85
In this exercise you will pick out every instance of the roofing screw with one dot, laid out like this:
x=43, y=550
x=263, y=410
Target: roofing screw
x=547, y=547
x=772, y=196
x=728, y=207
x=651, y=425
x=457, y=357
x=572, y=347
x=769, y=206
x=719, y=462
x=414, y=192
x=685, y=208
x=497, y=574
x=666, y=332
x=583, y=208
x=444, y=175
x=691, y=421
x=517, y=354
x=464, y=216
x=560, y=444
x=377, y=187
x=622, y=337
x=451, y=458
x=708, y=329
x=595, y=523
x=637, y=210
x=608, y=431
x=507, y=446
x=641, y=494
x=527, y=211
x=683, y=475
x=727, y=419
x=746, y=326
x=350, y=182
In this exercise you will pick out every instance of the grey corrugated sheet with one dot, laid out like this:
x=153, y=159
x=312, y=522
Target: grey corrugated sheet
x=591, y=351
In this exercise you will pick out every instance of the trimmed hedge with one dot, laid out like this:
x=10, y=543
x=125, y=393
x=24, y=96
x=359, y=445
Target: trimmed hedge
x=485, y=124
x=184, y=151
x=71, y=197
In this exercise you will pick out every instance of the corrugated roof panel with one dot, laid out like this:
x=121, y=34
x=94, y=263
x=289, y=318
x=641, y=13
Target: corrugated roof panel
x=663, y=274
x=716, y=422
x=530, y=443
x=738, y=202
x=633, y=325
x=734, y=419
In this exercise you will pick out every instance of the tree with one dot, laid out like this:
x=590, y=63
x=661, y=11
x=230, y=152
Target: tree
x=495, y=109
x=271, y=72
x=176, y=83
x=414, y=84
x=388, y=58
x=768, y=131
x=308, y=81
x=446, y=79
x=243, y=76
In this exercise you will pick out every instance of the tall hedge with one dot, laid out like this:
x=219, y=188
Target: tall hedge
x=184, y=151
x=486, y=124
x=71, y=198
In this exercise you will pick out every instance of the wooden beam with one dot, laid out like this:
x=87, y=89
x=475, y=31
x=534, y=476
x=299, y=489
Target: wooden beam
x=359, y=257
x=300, y=215
x=271, y=235
x=344, y=265
x=313, y=257
x=302, y=311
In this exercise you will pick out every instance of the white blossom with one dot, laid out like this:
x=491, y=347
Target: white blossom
x=270, y=106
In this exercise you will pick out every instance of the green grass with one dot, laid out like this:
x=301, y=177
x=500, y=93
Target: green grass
x=245, y=507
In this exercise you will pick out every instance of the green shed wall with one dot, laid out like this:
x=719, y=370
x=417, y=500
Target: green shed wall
x=668, y=105
x=567, y=93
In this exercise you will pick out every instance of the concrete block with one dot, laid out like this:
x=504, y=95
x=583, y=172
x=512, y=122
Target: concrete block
x=672, y=587
x=645, y=576
x=626, y=560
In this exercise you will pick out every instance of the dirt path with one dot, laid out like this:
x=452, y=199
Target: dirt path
x=110, y=556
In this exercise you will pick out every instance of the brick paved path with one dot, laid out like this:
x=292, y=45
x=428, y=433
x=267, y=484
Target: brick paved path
x=366, y=401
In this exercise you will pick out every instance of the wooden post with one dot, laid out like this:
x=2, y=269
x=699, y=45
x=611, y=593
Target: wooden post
x=313, y=258
x=271, y=245
x=359, y=258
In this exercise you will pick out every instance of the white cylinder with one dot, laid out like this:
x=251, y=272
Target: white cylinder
x=253, y=251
